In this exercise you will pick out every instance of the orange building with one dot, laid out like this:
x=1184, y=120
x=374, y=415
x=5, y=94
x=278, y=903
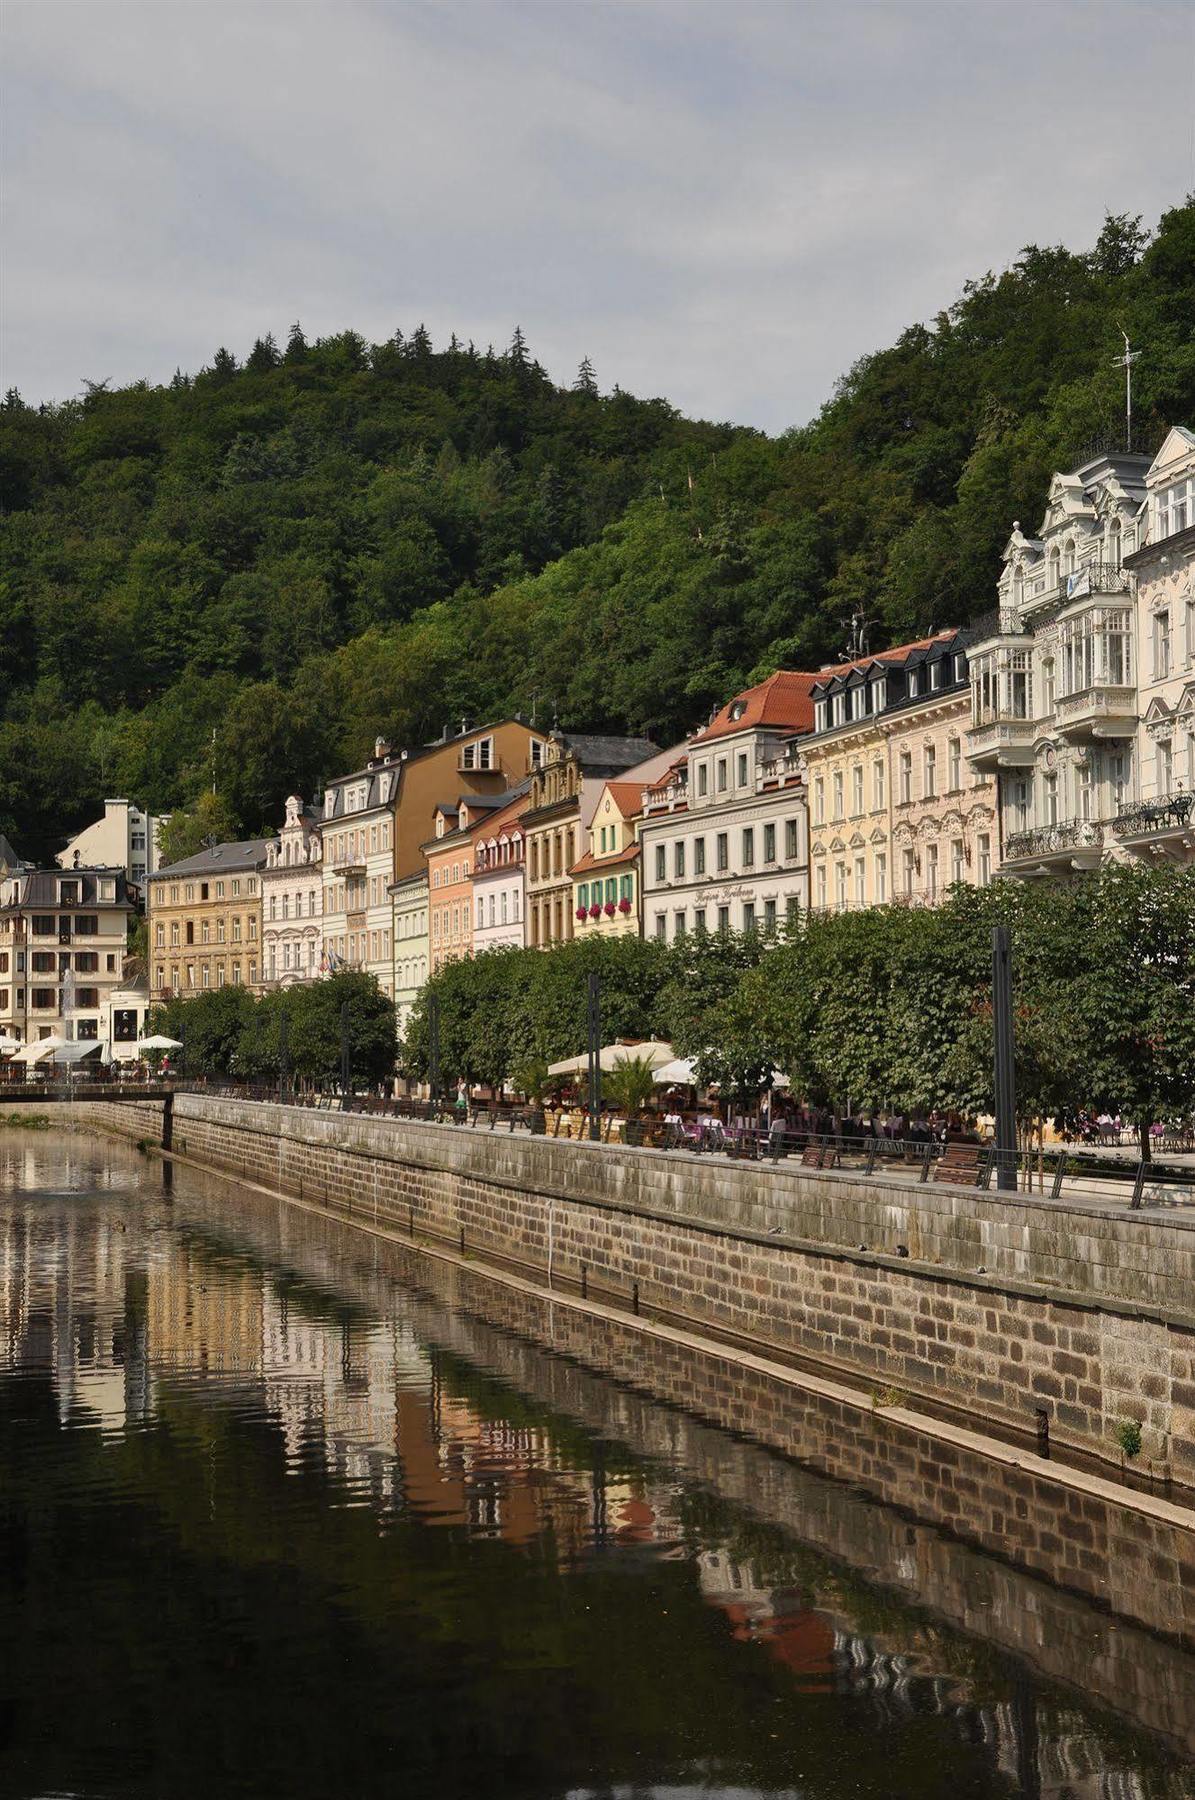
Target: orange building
x=450, y=855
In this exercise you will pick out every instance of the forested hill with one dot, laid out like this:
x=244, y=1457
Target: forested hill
x=250, y=572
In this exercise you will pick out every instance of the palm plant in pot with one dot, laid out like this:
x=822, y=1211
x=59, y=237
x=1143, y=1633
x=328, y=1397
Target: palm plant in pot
x=629, y=1085
x=531, y=1080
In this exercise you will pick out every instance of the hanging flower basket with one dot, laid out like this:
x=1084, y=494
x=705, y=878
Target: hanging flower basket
x=608, y=909
x=624, y=905
x=595, y=911
x=582, y=914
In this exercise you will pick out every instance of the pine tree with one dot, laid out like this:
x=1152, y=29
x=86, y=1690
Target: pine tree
x=264, y=355
x=586, y=382
x=420, y=348
x=13, y=401
x=224, y=364
x=517, y=355
x=296, y=344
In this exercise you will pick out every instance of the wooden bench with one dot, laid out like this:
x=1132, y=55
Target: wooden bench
x=820, y=1156
x=958, y=1165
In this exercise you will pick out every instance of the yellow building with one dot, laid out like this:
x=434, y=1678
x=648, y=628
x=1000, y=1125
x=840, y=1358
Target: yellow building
x=895, y=810
x=205, y=921
x=606, y=887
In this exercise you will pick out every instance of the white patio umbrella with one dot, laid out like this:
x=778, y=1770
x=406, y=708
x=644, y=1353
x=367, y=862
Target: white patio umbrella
x=38, y=1051
x=77, y=1052
x=680, y=1072
x=158, y=1042
x=654, y=1050
x=8, y=1044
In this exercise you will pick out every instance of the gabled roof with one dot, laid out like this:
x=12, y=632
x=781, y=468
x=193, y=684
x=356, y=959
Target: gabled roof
x=782, y=702
x=41, y=887
x=627, y=797
x=900, y=654
x=248, y=854
x=589, y=861
x=603, y=755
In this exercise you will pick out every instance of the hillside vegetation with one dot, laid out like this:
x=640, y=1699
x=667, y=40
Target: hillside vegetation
x=244, y=576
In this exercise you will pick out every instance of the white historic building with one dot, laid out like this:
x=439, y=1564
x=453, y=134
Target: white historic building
x=723, y=835
x=1158, y=817
x=125, y=838
x=63, y=941
x=500, y=881
x=357, y=825
x=292, y=899
x=412, y=942
x=1054, y=672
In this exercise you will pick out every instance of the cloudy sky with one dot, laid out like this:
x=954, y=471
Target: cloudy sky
x=722, y=203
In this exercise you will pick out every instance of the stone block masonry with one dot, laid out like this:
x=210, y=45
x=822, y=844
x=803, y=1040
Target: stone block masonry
x=1087, y=1314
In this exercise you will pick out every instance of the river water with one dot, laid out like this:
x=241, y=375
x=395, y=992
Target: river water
x=288, y=1511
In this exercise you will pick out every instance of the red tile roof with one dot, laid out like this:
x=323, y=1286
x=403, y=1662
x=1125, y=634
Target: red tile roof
x=590, y=861
x=627, y=797
x=782, y=701
x=897, y=653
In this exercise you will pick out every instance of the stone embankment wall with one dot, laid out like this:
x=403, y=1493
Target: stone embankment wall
x=991, y=1305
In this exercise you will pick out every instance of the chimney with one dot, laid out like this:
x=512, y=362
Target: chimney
x=381, y=749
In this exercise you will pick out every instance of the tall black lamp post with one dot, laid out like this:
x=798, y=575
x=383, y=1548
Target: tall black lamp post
x=594, y=1016
x=1006, y=1104
x=346, y=1060
x=283, y=1054
x=433, y=1047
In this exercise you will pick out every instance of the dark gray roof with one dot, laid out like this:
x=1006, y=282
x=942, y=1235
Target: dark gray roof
x=40, y=887
x=603, y=755
x=250, y=854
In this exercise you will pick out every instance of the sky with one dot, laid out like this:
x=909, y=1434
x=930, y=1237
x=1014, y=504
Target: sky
x=723, y=204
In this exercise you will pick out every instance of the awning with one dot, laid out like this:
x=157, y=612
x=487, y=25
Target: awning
x=653, y=1050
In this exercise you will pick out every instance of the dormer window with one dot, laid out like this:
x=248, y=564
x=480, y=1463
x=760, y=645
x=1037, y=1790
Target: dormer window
x=838, y=708
x=914, y=683
x=879, y=693
x=737, y=709
x=935, y=675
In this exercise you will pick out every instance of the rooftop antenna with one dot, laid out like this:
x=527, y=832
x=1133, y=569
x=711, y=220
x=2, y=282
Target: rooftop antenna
x=1126, y=362
x=213, y=759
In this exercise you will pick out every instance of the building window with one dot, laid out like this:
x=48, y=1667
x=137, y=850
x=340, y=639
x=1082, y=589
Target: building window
x=956, y=861
x=955, y=764
x=819, y=800
x=837, y=790
x=769, y=843
x=769, y=915
x=930, y=771
x=661, y=862
x=749, y=847
x=478, y=755
x=703, y=779
x=1165, y=768
x=984, y=854
x=931, y=872
x=721, y=774
x=742, y=768
x=819, y=885
x=1161, y=643
x=857, y=790
x=678, y=860
x=699, y=924
x=661, y=925
x=679, y=924
x=699, y=856
x=860, y=881
x=878, y=785
x=881, y=878
x=748, y=916
x=790, y=838
x=1050, y=784
x=722, y=852
x=906, y=777
x=724, y=919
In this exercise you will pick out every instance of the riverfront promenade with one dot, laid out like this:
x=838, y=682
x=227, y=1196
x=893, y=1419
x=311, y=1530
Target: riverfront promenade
x=992, y=1308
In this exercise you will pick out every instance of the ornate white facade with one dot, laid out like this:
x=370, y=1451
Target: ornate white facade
x=1054, y=672
x=1159, y=818
x=292, y=900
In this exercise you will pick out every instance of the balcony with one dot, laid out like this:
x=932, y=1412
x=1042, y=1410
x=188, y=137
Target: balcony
x=348, y=866
x=1077, y=844
x=1162, y=827
x=1097, y=712
x=997, y=743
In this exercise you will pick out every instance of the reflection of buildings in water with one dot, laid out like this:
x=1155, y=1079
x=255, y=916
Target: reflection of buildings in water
x=1054, y=1756
x=73, y=1302
x=204, y=1317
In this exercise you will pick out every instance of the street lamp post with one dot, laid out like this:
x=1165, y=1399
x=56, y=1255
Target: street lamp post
x=433, y=1047
x=595, y=1053
x=1005, y=1069
x=283, y=1053
x=346, y=1060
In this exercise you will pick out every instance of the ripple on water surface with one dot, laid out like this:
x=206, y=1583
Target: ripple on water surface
x=282, y=1514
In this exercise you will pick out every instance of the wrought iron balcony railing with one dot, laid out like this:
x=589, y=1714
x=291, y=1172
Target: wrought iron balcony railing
x=1053, y=840
x=1146, y=818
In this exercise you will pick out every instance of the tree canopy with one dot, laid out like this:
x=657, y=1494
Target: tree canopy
x=315, y=545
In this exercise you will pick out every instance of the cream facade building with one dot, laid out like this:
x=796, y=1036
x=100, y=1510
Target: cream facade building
x=125, y=838
x=292, y=899
x=723, y=835
x=204, y=920
x=412, y=943
x=1158, y=818
x=500, y=881
x=606, y=879
x=564, y=792
x=357, y=862
x=1055, y=671
x=63, y=941
x=896, y=812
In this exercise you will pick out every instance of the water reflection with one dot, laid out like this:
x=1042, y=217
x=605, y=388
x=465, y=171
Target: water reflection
x=282, y=1518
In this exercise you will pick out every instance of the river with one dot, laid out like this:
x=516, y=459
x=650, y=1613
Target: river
x=290, y=1511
